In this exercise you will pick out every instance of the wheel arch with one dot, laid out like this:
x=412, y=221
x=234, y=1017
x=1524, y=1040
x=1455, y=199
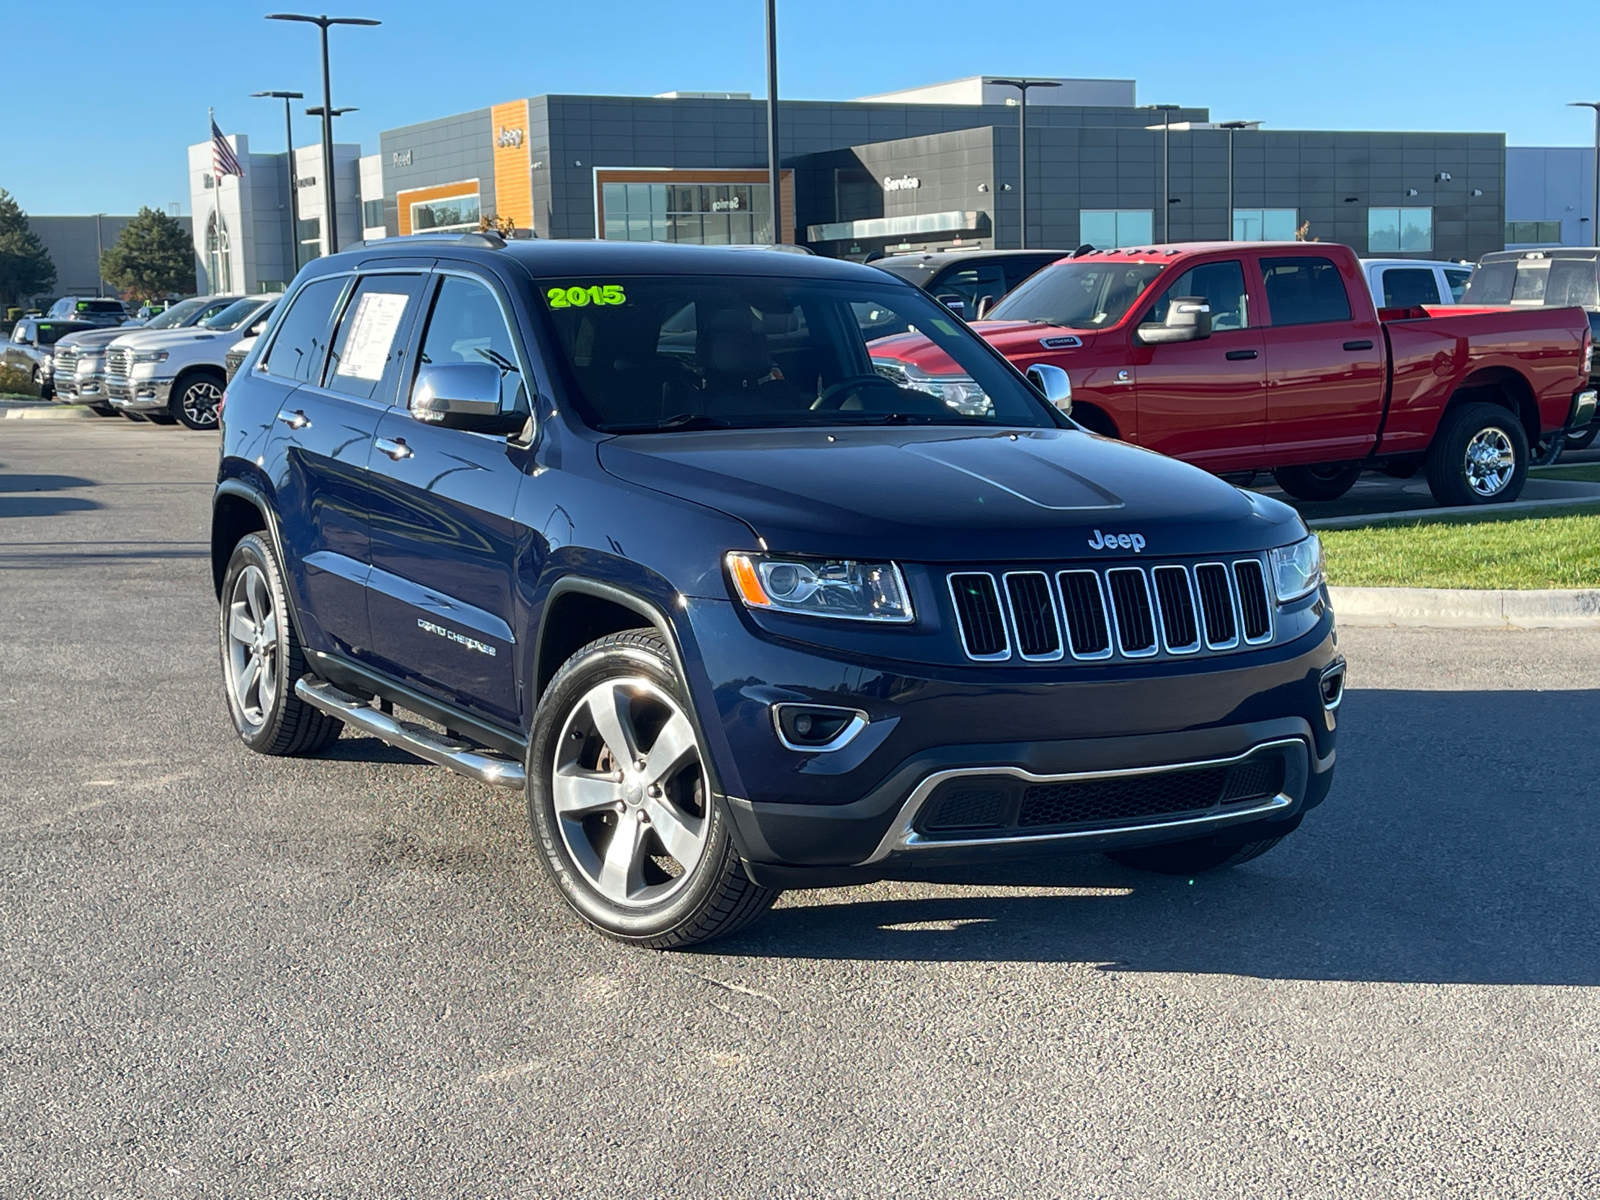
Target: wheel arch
x=238, y=509
x=1503, y=386
x=1095, y=419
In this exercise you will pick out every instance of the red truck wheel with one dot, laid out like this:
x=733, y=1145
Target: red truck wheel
x=1479, y=456
x=1323, y=481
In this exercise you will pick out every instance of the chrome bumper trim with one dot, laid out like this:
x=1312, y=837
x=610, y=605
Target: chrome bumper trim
x=901, y=836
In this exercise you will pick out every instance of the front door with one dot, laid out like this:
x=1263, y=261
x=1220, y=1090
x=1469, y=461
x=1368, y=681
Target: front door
x=1205, y=401
x=444, y=544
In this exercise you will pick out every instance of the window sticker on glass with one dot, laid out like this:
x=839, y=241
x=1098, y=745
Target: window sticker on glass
x=578, y=296
x=372, y=334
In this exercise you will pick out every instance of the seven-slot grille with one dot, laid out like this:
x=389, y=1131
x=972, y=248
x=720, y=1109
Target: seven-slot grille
x=117, y=363
x=1098, y=613
x=64, y=362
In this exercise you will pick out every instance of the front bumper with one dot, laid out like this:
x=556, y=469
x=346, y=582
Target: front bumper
x=139, y=395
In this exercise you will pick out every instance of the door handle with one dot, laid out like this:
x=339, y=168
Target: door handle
x=1364, y=344
x=396, y=449
x=1237, y=355
x=295, y=419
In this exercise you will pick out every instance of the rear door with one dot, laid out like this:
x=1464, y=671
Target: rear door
x=1324, y=351
x=1205, y=401
x=443, y=503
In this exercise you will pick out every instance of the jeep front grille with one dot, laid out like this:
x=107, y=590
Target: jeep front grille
x=1100, y=613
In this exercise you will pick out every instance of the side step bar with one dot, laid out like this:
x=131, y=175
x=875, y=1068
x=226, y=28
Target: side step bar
x=482, y=765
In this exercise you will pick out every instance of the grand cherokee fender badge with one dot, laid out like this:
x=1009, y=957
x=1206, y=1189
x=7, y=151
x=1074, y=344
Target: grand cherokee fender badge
x=1117, y=541
x=461, y=638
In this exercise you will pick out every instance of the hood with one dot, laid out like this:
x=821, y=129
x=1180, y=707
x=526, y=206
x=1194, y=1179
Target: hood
x=92, y=338
x=1014, y=339
x=951, y=494
x=155, y=339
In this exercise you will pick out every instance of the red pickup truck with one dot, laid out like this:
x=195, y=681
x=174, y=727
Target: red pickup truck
x=1270, y=356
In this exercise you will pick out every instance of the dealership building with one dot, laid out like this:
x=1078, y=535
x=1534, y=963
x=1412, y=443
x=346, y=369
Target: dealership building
x=934, y=168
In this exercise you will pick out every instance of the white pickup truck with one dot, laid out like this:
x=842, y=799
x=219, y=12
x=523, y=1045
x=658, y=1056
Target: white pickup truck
x=1407, y=282
x=179, y=374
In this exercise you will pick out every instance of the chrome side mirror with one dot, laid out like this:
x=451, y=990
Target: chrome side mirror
x=1188, y=320
x=1053, y=384
x=463, y=396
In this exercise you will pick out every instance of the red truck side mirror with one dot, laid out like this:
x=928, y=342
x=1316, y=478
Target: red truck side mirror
x=1188, y=320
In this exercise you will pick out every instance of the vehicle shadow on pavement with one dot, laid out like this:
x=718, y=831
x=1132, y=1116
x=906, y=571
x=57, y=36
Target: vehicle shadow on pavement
x=1459, y=845
x=24, y=495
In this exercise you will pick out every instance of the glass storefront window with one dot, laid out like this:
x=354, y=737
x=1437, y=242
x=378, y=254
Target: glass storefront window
x=458, y=212
x=1399, y=229
x=1112, y=229
x=704, y=214
x=1533, y=233
x=1265, y=224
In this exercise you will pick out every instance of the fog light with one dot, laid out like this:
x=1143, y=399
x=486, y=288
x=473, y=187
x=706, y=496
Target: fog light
x=1333, y=685
x=817, y=728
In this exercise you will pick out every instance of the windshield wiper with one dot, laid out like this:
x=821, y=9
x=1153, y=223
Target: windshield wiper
x=682, y=421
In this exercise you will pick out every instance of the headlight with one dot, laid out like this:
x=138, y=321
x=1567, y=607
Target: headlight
x=149, y=356
x=1297, y=569
x=960, y=392
x=822, y=587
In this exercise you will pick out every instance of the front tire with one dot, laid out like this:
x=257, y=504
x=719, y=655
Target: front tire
x=262, y=658
x=1478, y=456
x=195, y=403
x=620, y=800
x=1321, y=481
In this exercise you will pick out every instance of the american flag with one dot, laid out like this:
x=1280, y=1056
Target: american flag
x=223, y=159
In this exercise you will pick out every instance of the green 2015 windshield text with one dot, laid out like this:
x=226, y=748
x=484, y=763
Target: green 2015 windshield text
x=577, y=297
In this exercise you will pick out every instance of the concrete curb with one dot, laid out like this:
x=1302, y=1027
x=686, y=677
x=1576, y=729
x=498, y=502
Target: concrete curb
x=1461, y=608
x=50, y=411
x=1434, y=514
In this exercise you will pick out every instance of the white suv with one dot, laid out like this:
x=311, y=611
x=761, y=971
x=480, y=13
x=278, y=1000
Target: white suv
x=178, y=374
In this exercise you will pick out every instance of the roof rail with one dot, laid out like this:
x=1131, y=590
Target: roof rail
x=488, y=241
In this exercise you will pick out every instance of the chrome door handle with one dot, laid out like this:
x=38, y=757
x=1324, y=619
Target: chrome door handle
x=396, y=449
x=295, y=419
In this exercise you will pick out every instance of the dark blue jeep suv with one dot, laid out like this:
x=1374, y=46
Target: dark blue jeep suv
x=648, y=531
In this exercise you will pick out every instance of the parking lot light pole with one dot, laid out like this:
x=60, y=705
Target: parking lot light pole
x=322, y=24
x=774, y=171
x=294, y=184
x=1022, y=86
x=1233, y=127
x=1594, y=213
x=1166, y=111
x=320, y=111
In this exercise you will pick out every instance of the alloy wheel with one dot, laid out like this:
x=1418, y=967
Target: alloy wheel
x=1491, y=461
x=200, y=400
x=629, y=792
x=253, y=646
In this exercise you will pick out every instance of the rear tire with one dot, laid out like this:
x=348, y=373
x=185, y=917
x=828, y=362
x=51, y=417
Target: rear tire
x=262, y=658
x=1583, y=440
x=195, y=403
x=676, y=879
x=1320, y=481
x=1479, y=456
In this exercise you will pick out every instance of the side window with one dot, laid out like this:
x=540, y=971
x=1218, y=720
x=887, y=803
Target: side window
x=302, y=340
x=1404, y=287
x=1221, y=283
x=1304, y=291
x=1019, y=268
x=371, y=339
x=972, y=284
x=1457, y=281
x=467, y=326
x=1572, y=282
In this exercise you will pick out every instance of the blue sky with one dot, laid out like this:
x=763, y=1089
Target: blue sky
x=112, y=135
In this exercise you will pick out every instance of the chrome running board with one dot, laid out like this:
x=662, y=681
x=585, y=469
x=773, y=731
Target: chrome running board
x=483, y=765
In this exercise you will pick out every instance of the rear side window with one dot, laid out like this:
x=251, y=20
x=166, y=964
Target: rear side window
x=1457, y=282
x=302, y=340
x=1404, y=287
x=372, y=336
x=1491, y=284
x=1572, y=282
x=1304, y=291
x=1221, y=283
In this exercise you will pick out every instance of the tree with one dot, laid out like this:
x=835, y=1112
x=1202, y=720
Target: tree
x=152, y=258
x=25, y=266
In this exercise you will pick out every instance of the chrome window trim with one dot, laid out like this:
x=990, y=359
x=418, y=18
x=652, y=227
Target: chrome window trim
x=1155, y=614
x=1055, y=615
x=858, y=721
x=1233, y=602
x=961, y=627
x=1267, y=594
x=269, y=336
x=1194, y=605
x=901, y=836
x=1111, y=617
x=530, y=382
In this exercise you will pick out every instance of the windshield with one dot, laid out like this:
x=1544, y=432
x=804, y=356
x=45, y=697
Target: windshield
x=51, y=332
x=175, y=316
x=1078, y=295
x=646, y=354
x=234, y=315
x=99, y=307
x=1546, y=282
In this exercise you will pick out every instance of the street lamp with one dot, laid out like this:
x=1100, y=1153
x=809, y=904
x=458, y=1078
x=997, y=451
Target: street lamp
x=1594, y=220
x=1166, y=111
x=1233, y=127
x=1022, y=86
x=774, y=172
x=333, y=215
x=322, y=24
x=294, y=184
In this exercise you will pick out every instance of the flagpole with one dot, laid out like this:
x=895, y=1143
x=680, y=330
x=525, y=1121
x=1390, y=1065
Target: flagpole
x=216, y=205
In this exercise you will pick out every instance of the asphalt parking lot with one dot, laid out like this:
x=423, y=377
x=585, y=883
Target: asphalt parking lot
x=227, y=975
